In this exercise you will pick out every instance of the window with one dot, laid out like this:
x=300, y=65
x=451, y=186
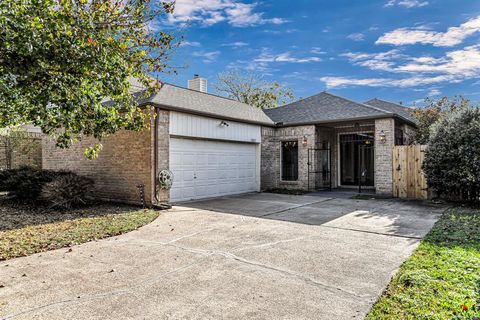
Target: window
x=290, y=161
x=399, y=137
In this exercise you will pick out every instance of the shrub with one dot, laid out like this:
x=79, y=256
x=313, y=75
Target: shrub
x=35, y=185
x=67, y=191
x=452, y=159
x=26, y=182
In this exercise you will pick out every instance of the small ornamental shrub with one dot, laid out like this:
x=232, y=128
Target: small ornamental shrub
x=67, y=191
x=452, y=159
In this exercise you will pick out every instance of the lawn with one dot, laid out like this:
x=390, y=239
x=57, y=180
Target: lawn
x=25, y=230
x=441, y=280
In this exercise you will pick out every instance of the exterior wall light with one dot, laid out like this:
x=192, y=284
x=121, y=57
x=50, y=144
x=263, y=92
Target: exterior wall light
x=382, y=136
x=224, y=124
x=305, y=141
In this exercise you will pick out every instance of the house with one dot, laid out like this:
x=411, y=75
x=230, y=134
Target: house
x=326, y=141
x=22, y=148
x=216, y=146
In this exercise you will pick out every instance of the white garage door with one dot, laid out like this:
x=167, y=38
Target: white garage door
x=205, y=169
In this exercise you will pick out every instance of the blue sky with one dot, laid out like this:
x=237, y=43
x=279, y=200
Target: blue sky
x=400, y=50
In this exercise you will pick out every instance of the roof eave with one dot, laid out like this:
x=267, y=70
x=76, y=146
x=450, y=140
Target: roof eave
x=206, y=114
x=387, y=115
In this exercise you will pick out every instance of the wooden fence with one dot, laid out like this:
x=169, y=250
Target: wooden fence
x=408, y=178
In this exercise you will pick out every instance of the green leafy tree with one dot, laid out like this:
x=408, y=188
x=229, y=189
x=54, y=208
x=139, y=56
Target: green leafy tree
x=61, y=59
x=452, y=158
x=433, y=111
x=251, y=89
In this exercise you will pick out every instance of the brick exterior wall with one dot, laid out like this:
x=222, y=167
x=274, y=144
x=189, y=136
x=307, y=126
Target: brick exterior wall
x=384, y=156
x=22, y=152
x=124, y=162
x=270, y=160
x=317, y=136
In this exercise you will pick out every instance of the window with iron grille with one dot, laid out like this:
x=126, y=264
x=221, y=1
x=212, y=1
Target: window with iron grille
x=289, y=160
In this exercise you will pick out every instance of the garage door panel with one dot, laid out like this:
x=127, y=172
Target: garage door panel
x=188, y=159
x=208, y=168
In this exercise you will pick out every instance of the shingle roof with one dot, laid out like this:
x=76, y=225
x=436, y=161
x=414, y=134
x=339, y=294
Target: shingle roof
x=192, y=101
x=323, y=107
x=388, y=106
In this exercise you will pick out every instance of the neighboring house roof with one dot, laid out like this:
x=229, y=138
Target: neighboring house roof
x=191, y=101
x=388, y=106
x=31, y=129
x=324, y=108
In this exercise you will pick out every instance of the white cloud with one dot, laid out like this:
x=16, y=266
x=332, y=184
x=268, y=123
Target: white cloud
x=341, y=82
x=267, y=62
x=284, y=57
x=455, y=66
x=356, y=36
x=236, y=44
x=384, y=61
x=190, y=44
x=434, y=92
x=317, y=50
x=208, y=57
x=453, y=36
x=286, y=31
x=210, y=12
x=463, y=62
x=407, y=3
x=460, y=63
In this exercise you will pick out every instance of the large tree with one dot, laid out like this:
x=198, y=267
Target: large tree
x=61, y=59
x=431, y=113
x=452, y=159
x=250, y=88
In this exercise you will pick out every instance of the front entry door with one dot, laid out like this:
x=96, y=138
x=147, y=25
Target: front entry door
x=357, y=159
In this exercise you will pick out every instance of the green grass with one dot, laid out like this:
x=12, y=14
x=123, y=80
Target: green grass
x=441, y=280
x=34, y=238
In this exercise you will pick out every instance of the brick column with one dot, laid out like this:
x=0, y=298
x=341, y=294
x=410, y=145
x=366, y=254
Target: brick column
x=384, y=156
x=309, y=133
x=163, y=151
x=269, y=175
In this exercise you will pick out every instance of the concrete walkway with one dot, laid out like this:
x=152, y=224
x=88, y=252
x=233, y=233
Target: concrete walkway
x=256, y=256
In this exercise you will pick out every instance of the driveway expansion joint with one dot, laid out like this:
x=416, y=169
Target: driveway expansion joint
x=373, y=232
x=296, y=207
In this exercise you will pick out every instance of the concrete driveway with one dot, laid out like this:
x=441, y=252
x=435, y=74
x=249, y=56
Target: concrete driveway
x=255, y=256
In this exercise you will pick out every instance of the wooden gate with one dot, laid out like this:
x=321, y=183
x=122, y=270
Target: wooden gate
x=408, y=178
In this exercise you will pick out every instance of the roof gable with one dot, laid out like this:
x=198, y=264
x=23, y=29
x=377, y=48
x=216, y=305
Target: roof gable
x=196, y=102
x=402, y=111
x=323, y=107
